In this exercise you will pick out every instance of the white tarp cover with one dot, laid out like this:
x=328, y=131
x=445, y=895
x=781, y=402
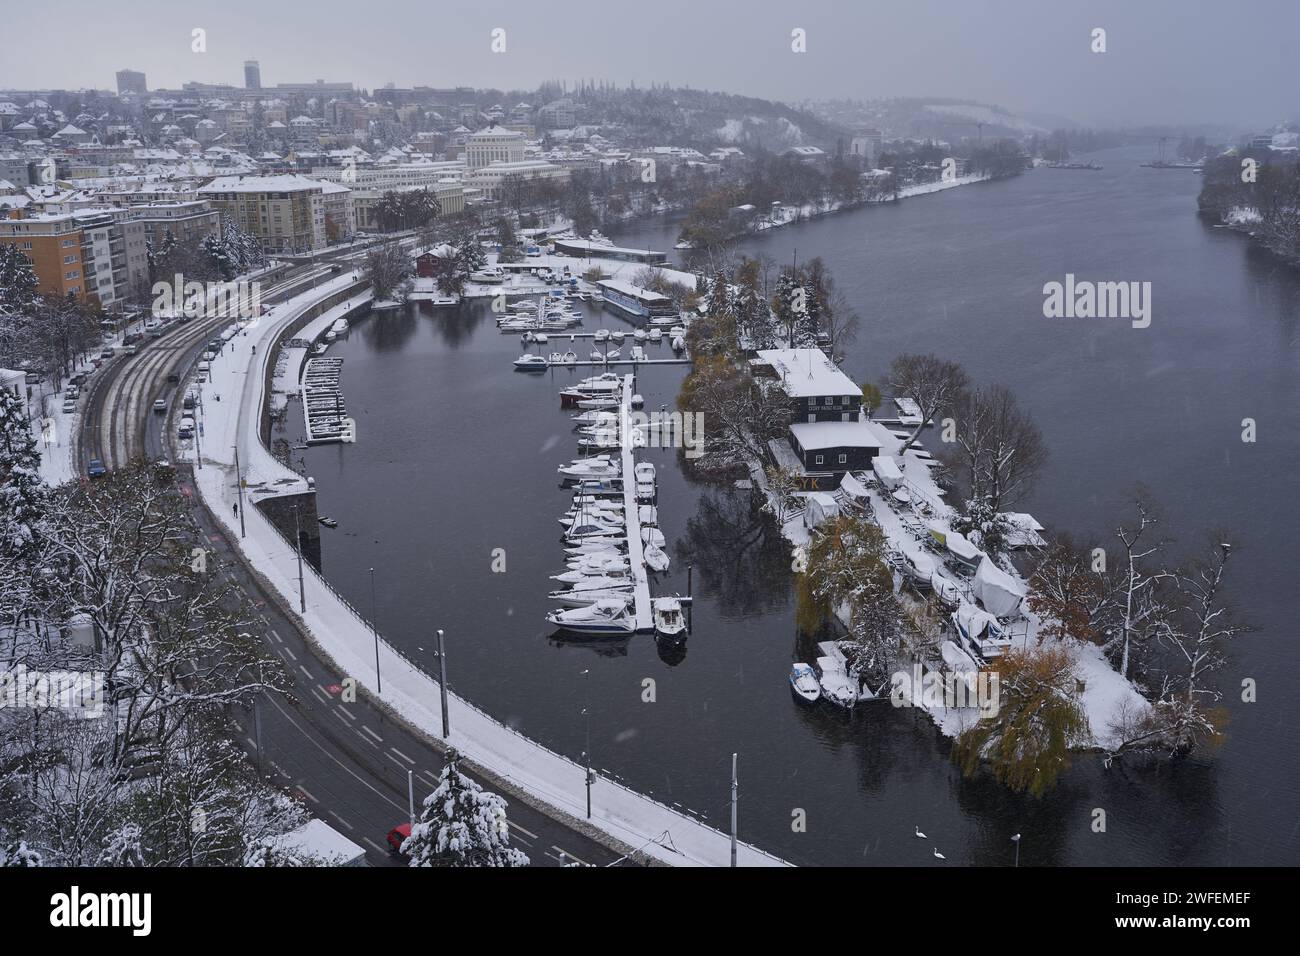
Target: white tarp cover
x=974, y=619
x=958, y=544
x=886, y=470
x=852, y=486
x=819, y=507
x=998, y=591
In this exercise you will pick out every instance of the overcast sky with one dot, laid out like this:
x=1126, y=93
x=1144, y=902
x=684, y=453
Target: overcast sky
x=1167, y=61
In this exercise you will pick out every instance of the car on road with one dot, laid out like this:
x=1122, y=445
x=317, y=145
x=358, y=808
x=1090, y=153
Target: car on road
x=107, y=354
x=397, y=836
x=159, y=406
x=130, y=349
x=153, y=328
x=96, y=469
x=173, y=378
x=78, y=379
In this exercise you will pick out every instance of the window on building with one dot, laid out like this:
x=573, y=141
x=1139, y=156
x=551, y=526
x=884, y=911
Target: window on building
x=819, y=459
x=844, y=459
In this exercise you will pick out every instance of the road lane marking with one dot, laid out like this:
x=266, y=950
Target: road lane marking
x=402, y=755
x=317, y=694
x=569, y=856
x=341, y=820
x=372, y=733
x=306, y=794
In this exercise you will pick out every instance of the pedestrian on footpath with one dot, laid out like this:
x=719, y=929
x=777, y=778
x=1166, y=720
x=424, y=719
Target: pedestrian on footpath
x=236, y=507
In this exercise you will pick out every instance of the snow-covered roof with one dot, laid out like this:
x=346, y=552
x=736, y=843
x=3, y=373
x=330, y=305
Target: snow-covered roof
x=815, y=435
x=808, y=372
x=289, y=182
x=321, y=841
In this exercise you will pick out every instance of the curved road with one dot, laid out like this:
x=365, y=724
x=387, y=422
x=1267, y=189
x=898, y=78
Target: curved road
x=346, y=762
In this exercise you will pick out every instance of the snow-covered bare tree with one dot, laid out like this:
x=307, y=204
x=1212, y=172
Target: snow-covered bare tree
x=461, y=824
x=934, y=384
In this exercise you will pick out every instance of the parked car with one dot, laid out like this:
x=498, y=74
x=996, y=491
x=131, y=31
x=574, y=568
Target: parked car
x=164, y=472
x=189, y=402
x=96, y=469
x=69, y=406
x=107, y=354
x=72, y=391
x=186, y=428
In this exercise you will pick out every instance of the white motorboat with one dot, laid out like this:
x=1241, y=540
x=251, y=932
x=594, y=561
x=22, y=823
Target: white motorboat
x=644, y=474
x=804, y=683
x=653, y=537
x=591, y=527
x=597, y=355
x=668, y=616
x=598, y=403
x=531, y=363
x=613, y=353
x=655, y=335
x=639, y=335
x=679, y=343
x=603, y=617
x=677, y=331
x=596, y=418
x=602, y=466
x=647, y=514
x=601, y=441
x=584, y=598
x=608, y=567
x=608, y=546
x=601, y=335
x=618, y=335
x=638, y=400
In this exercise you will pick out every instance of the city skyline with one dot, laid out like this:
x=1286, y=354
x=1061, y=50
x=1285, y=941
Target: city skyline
x=1028, y=60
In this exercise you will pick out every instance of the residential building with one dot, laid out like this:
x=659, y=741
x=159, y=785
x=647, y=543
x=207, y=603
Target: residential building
x=188, y=220
x=340, y=214
x=285, y=213
x=252, y=75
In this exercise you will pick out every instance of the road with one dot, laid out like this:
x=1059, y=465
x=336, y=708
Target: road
x=346, y=762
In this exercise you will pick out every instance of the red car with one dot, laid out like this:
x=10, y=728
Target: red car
x=397, y=836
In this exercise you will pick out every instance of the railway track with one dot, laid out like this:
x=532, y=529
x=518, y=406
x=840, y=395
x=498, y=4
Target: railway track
x=118, y=412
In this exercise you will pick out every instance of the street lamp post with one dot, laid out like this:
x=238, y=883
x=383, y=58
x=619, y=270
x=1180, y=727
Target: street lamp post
x=297, y=535
x=586, y=753
x=1016, y=840
x=442, y=685
x=374, y=629
x=239, y=486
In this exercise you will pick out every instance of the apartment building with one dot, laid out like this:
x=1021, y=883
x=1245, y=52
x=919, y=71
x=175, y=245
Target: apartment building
x=285, y=213
x=98, y=256
x=53, y=243
x=187, y=221
x=450, y=193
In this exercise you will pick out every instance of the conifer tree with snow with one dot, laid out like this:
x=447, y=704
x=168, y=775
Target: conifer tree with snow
x=462, y=825
x=23, y=495
x=19, y=289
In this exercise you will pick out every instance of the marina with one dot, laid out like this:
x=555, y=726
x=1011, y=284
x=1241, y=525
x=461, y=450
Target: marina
x=612, y=531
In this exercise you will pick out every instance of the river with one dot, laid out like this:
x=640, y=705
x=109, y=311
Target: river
x=456, y=457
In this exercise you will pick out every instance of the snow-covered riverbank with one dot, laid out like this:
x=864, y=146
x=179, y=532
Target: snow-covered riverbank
x=629, y=817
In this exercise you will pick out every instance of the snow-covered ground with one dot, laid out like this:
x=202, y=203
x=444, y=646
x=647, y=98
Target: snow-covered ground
x=631, y=817
x=1106, y=694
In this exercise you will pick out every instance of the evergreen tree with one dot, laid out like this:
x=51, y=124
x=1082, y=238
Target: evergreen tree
x=23, y=495
x=19, y=288
x=462, y=825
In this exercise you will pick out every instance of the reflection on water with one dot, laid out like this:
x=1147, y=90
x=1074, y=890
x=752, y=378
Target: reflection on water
x=457, y=457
